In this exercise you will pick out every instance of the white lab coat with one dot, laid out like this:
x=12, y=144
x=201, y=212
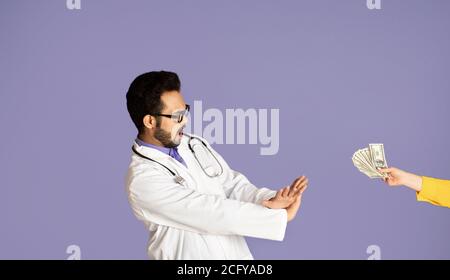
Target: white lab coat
x=205, y=218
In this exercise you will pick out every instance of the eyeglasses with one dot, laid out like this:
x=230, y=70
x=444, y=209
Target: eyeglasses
x=177, y=116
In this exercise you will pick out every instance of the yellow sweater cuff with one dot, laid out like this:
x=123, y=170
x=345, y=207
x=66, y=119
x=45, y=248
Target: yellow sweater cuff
x=428, y=192
x=435, y=191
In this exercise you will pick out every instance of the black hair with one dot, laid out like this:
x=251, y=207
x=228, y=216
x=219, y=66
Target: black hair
x=144, y=95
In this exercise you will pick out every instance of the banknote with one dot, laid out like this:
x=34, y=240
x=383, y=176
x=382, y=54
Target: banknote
x=369, y=160
x=377, y=154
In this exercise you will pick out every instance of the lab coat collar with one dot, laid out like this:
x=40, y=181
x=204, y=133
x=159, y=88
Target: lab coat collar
x=156, y=154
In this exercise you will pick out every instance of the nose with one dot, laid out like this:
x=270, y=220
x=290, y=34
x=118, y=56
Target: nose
x=185, y=120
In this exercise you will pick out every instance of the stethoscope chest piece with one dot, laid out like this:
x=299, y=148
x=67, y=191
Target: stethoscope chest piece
x=179, y=179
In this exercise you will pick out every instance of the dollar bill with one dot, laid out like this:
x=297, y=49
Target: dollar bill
x=368, y=160
x=377, y=154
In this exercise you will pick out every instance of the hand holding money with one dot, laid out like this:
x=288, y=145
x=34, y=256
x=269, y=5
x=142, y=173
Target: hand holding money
x=399, y=177
x=370, y=160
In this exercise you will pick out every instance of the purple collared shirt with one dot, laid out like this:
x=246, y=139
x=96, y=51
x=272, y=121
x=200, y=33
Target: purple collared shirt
x=173, y=152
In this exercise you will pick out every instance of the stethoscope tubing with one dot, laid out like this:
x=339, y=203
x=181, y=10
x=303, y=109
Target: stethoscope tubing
x=178, y=178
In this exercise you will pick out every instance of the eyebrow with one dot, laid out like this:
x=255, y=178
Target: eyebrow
x=177, y=110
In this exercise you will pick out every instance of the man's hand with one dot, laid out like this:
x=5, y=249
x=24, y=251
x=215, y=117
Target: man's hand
x=287, y=196
x=293, y=208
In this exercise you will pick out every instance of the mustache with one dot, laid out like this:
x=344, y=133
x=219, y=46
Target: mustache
x=179, y=130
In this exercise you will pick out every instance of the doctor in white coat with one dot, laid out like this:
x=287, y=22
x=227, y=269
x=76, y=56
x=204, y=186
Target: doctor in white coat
x=194, y=205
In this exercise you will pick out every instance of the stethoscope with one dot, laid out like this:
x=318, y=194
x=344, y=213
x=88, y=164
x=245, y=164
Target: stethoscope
x=178, y=179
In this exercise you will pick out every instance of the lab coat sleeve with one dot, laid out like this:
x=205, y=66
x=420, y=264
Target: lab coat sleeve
x=156, y=198
x=238, y=187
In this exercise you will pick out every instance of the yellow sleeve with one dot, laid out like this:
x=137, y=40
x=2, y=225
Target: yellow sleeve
x=435, y=191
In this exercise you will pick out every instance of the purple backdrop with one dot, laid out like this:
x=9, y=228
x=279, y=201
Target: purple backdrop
x=341, y=74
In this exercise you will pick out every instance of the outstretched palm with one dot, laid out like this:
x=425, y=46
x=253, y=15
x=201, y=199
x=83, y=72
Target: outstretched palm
x=288, y=195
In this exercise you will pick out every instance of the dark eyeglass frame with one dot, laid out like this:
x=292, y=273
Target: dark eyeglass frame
x=177, y=118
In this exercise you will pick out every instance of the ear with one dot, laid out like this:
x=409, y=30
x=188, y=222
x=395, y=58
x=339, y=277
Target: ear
x=149, y=121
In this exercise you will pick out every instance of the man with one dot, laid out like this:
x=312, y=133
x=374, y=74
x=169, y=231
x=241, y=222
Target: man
x=192, y=202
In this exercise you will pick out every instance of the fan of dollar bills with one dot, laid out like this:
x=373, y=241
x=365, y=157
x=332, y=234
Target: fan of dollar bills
x=368, y=160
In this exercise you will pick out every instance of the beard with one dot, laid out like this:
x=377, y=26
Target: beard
x=166, y=137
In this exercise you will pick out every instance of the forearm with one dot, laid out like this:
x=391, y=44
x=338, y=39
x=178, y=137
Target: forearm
x=250, y=193
x=413, y=181
x=238, y=187
x=208, y=214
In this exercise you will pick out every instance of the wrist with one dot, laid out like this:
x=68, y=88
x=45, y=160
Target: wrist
x=289, y=215
x=414, y=182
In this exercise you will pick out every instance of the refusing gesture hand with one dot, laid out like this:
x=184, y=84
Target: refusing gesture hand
x=288, y=195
